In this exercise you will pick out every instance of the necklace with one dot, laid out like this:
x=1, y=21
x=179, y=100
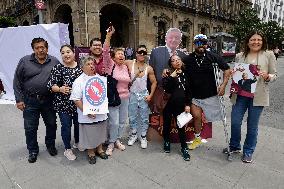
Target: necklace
x=199, y=60
x=140, y=69
x=181, y=82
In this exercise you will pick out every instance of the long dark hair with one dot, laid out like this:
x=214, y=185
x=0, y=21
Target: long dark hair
x=246, y=42
x=170, y=64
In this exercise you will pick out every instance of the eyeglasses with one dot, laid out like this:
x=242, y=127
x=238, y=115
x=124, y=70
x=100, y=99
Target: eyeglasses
x=199, y=43
x=142, y=52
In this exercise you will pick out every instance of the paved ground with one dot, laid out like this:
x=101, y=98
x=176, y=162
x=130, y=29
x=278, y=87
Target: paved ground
x=137, y=168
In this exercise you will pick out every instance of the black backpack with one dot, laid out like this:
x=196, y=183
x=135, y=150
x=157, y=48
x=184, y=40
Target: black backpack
x=112, y=94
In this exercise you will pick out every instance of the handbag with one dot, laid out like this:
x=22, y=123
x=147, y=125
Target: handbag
x=159, y=100
x=112, y=93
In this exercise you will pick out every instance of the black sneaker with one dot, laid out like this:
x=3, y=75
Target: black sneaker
x=52, y=150
x=32, y=157
x=185, y=154
x=247, y=159
x=232, y=150
x=167, y=147
x=92, y=159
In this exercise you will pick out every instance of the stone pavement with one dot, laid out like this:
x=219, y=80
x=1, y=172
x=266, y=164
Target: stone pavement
x=135, y=167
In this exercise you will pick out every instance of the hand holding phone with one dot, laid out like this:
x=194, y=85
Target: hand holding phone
x=110, y=28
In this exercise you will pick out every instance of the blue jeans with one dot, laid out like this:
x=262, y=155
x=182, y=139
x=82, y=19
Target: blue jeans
x=33, y=109
x=118, y=116
x=66, y=124
x=138, y=106
x=238, y=110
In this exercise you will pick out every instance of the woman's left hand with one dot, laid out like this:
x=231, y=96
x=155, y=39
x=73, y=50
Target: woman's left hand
x=187, y=109
x=92, y=116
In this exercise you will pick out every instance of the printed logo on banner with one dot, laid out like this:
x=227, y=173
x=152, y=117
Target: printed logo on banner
x=95, y=91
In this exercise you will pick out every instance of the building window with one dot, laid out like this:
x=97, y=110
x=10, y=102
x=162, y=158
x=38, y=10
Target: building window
x=161, y=33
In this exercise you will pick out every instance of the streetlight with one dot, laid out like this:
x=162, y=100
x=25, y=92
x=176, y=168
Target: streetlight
x=86, y=23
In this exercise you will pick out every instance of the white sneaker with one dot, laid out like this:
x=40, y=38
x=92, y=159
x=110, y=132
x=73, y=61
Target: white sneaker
x=75, y=146
x=69, y=154
x=132, y=139
x=144, y=142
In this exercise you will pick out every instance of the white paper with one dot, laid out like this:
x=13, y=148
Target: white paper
x=183, y=119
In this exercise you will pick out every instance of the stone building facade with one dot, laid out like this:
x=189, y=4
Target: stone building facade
x=136, y=21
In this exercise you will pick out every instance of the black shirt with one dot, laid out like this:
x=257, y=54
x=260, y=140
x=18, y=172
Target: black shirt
x=180, y=92
x=201, y=73
x=59, y=76
x=31, y=77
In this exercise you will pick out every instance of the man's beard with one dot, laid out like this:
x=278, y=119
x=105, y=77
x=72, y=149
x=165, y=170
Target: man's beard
x=200, y=50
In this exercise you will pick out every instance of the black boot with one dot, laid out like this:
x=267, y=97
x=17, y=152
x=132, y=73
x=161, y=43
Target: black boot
x=185, y=154
x=32, y=157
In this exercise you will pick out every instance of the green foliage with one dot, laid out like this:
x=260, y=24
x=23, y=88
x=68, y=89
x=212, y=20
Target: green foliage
x=7, y=22
x=248, y=21
x=273, y=32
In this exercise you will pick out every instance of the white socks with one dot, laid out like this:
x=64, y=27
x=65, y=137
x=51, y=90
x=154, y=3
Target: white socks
x=197, y=135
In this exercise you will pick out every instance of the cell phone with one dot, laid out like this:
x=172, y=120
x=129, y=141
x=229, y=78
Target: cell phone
x=109, y=27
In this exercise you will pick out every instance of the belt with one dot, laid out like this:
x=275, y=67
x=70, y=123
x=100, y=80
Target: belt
x=37, y=96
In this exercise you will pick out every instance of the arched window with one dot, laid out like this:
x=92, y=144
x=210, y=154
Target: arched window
x=161, y=33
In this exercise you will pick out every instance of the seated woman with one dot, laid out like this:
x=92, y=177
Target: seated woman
x=61, y=79
x=92, y=127
x=176, y=84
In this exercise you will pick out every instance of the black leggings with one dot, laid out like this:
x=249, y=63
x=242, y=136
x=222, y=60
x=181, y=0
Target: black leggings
x=168, y=113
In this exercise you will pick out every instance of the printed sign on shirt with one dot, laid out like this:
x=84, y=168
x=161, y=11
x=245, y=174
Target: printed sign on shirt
x=95, y=96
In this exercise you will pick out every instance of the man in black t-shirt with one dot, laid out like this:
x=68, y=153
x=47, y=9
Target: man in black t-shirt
x=199, y=68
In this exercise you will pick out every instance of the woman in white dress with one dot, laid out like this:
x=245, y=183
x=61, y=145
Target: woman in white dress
x=92, y=127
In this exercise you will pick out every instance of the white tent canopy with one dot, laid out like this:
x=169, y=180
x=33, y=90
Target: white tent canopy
x=15, y=42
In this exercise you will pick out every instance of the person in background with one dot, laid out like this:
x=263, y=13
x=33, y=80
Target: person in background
x=254, y=53
x=118, y=115
x=140, y=71
x=176, y=84
x=60, y=83
x=276, y=52
x=33, y=97
x=92, y=127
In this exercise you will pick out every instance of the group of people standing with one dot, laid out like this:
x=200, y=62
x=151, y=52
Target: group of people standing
x=44, y=86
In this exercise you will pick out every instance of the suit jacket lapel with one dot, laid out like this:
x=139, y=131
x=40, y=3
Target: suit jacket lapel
x=166, y=54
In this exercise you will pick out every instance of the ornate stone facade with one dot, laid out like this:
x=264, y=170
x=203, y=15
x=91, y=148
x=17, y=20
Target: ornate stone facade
x=136, y=21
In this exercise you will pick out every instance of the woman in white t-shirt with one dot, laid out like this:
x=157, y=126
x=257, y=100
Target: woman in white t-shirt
x=92, y=127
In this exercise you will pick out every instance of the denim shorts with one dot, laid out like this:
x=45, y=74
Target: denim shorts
x=211, y=108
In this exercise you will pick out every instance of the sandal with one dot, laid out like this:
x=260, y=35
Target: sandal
x=92, y=159
x=102, y=155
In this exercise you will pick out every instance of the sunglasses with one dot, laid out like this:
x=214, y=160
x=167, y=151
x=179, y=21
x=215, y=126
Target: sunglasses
x=142, y=52
x=199, y=43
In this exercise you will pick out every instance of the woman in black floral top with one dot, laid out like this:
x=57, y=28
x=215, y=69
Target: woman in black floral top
x=60, y=82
